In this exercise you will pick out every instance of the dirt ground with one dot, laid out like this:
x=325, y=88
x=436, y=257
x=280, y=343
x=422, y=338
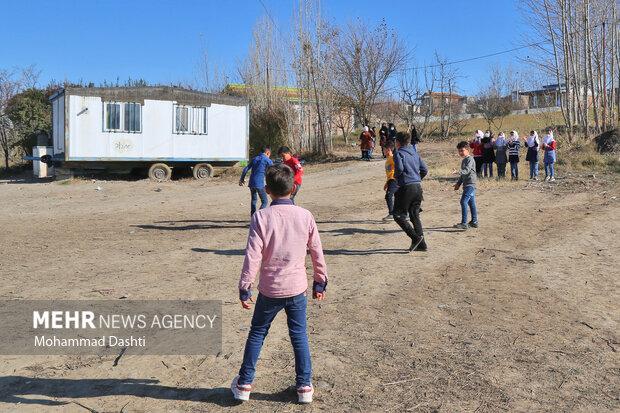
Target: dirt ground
x=519, y=315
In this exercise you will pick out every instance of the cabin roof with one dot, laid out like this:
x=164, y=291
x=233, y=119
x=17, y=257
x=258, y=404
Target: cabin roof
x=142, y=93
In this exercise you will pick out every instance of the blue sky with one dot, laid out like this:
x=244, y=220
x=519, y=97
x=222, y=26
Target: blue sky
x=162, y=41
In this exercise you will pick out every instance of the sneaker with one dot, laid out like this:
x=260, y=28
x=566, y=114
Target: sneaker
x=473, y=224
x=240, y=391
x=388, y=217
x=304, y=394
x=552, y=179
x=415, y=244
x=547, y=178
x=422, y=247
x=461, y=226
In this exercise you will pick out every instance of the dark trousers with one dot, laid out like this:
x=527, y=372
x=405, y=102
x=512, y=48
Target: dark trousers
x=389, y=195
x=478, y=160
x=501, y=170
x=407, y=201
x=264, y=201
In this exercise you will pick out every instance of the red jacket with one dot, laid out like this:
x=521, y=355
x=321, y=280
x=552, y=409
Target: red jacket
x=477, y=147
x=367, y=141
x=551, y=146
x=294, y=164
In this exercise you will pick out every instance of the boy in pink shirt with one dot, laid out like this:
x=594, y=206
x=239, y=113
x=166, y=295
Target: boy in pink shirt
x=277, y=243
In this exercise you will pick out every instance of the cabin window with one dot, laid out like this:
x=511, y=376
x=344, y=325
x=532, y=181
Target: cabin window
x=113, y=117
x=122, y=117
x=181, y=124
x=133, y=118
x=199, y=121
x=190, y=120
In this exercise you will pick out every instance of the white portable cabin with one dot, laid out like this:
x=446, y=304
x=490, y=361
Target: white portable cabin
x=147, y=126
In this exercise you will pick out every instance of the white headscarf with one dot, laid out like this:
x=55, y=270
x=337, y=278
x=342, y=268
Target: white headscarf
x=533, y=139
x=548, y=138
x=365, y=128
x=501, y=140
x=515, y=135
x=479, y=134
x=487, y=134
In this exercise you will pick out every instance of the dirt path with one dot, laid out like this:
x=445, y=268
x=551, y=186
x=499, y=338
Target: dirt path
x=519, y=315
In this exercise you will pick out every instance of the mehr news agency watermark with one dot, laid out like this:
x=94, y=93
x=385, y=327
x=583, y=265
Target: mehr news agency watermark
x=95, y=327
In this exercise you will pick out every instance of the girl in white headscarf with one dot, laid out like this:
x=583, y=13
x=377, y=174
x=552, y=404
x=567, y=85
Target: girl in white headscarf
x=532, y=144
x=549, y=145
x=476, y=146
x=501, y=156
x=513, y=155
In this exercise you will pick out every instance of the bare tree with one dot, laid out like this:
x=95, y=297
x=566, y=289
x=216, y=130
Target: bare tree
x=209, y=77
x=413, y=85
x=265, y=78
x=447, y=77
x=582, y=57
x=494, y=101
x=12, y=83
x=344, y=119
x=364, y=60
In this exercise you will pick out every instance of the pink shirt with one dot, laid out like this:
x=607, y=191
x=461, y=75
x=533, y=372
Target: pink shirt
x=277, y=243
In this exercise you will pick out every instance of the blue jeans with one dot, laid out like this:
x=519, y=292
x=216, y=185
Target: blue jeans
x=265, y=311
x=514, y=170
x=549, y=169
x=295, y=192
x=469, y=199
x=264, y=201
x=533, y=169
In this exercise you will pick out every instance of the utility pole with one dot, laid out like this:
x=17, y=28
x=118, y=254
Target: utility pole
x=604, y=113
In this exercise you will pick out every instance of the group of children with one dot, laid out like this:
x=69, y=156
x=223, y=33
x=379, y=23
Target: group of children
x=501, y=150
x=280, y=236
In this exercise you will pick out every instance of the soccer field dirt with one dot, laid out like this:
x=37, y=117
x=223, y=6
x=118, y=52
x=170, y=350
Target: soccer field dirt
x=521, y=314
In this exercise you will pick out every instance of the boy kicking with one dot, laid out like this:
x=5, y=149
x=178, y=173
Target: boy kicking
x=277, y=242
x=467, y=178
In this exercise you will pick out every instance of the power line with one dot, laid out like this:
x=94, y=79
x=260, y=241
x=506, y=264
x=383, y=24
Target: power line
x=271, y=18
x=514, y=49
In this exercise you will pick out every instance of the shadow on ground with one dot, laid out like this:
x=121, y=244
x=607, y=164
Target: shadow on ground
x=325, y=251
x=14, y=388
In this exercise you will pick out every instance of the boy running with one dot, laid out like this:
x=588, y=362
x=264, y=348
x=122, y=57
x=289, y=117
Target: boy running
x=258, y=165
x=409, y=170
x=391, y=185
x=277, y=242
x=288, y=159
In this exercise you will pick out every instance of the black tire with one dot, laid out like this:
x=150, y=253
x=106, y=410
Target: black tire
x=202, y=171
x=160, y=172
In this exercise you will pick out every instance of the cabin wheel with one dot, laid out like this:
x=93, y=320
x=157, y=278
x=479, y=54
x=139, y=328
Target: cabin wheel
x=202, y=171
x=160, y=172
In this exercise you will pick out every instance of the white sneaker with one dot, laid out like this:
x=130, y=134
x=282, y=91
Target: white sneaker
x=240, y=391
x=304, y=394
x=547, y=178
x=388, y=217
x=552, y=179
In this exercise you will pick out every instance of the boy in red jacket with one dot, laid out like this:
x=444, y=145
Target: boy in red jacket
x=288, y=159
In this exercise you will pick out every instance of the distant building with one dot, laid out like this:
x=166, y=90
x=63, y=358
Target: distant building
x=549, y=96
x=433, y=102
